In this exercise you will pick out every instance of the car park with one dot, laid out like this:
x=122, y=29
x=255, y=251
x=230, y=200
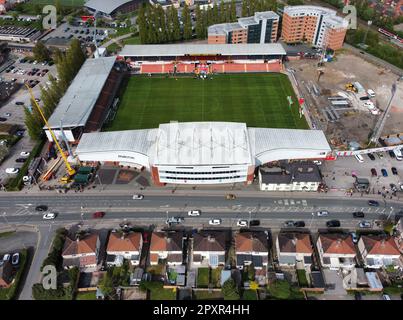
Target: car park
x=49, y=216
x=359, y=158
x=98, y=214
x=242, y=223
x=333, y=224
x=384, y=172
x=354, y=237
x=15, y=260
x=138, y=197
x=322, y=213
x=12, y=170
x=41, y=208
x=373, y=203
x=214, y=222
x=358, y=214
x=371, y=156
x=394, y=171
x=373, y=172
x=365, y=224
x=194, y=213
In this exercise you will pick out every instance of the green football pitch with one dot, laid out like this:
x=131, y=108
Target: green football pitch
x=259, y=100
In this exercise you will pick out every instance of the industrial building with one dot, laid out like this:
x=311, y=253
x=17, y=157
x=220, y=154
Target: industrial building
x=110, y=8
x=261, y=28
x=316, y=25
x=19, y=34
x=201, y=152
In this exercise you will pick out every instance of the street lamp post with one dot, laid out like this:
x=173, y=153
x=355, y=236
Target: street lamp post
x=250, y=216
x=82, y=214
x=390, y=213
x=5, y=218
x=313, y=216
x=100, y=182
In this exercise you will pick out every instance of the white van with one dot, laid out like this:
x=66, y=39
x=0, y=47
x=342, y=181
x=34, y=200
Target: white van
x=398, y=154
x=359, y=158
x=371, y=93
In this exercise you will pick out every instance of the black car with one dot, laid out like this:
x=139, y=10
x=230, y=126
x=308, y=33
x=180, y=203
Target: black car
x=19, y=103
x=358, y=214
x=373, y=203
x=394, y=171
x=254, y=223
x=333, y=224
x=3, y=119
x=41, y=208
x=371, y=156
x=299, y=224
x=21, y=160
x=392, y=154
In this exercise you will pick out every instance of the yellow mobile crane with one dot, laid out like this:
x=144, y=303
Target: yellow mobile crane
x=70, y=170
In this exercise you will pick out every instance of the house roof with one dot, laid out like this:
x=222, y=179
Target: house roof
x=124, y=242
x=380, y=245
x=207, y=240
x=166, y=241
x=85, y=245
x=295, y=242
x=251, y=241
x=337, y=243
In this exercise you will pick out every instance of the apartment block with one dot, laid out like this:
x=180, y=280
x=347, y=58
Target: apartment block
x=261, y=28
x=316, y=25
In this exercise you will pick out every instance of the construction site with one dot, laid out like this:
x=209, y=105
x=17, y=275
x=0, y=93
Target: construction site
x=347, y=99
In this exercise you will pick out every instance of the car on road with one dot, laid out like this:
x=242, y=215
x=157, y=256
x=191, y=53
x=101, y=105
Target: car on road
x=384, y=172
x=359, y=158
x=358, y=214
x=7, y=114
x=174, y=220
x=371, y=156
x=3, y=119
x=289, y=223
x=49, y=216
x=373, y=203
x=98, y=214
x=322, y=213
x=21, y=160
x=299, y=224
x=138, y=197
x=230, y=196
x=25, y=154
x=41, y=208
x=333, y=224
x=194, y=213
x=386, y=297
x=254, y=223
x=242, y=223
x=394, y=171
x=6, y=257
x=214, y=222
x=15, y=260
x=373, y=172
x=19, y=103
x=12, y=170
x=354, y=237
x=365, y=224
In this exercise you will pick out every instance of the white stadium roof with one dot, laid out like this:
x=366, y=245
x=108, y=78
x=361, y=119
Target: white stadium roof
x=76, y=105
x=162, y=50
x=105, y=6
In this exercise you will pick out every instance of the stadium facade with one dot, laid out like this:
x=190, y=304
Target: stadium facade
x=201, y=152
x=110, y=8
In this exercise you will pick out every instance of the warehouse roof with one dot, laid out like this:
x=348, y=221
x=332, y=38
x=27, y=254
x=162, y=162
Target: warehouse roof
x=105, y=6
x=76, y=105
x=152, y=50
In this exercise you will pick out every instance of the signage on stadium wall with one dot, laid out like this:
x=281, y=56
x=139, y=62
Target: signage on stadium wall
x=349, y=153
x=85, y=18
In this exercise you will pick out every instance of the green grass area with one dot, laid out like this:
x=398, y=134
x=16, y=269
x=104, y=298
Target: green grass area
x=249, y=295
x=303, y=282
x=11, y=292
x=89, y=295
x=393, y=290
x=131, y=40
x=216, y=277
x=67, y=3
x=260, y=100
x=203, y=277
x=282, y=290
x=6, y=234
x=163, y=294
x=205, y=295
x=114, y=47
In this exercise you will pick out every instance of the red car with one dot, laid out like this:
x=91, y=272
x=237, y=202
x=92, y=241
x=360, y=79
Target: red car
x=98, y=214
x=373, y=172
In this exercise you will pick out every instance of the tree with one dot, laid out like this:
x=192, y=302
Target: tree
x=176, y=24
x=33, y=124
x=59, y=8
x=199, y=23
x=216, y=18
x=230, y=290
x=222, y=11
x=233, y=11
x=41, y=53
x=295, y=2
x=70, y=20
x=141, y=22
x=106, y=285
x=245, y=10
x=187, y=23
x=14, y=15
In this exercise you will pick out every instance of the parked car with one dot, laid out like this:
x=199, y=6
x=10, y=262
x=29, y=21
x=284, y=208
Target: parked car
x=25, y=154
x=380, y=155
x=289, y=223
x=138, y=197
x=373, y=203
x=194, y=213
x=242, y=223
x=41, y=208
x=322, y=213
x=373, y=172
x=254, y=223
x=214, y=222
x=333, y=224
x=7, y=114
x=98, y=214
x=49, y=216
x=358, y=214
x=393, y=187
x=359, y=158
x=354, y=237
x=299, y=224
x=392, y=154
x=19, y=103
x=230, y=197
x=6, y=257
x=386, y=297
x=21, y=160
x=371, y=156
x=12, y=170
x=394, y=171
x=365, y=224
x=15, y=260
x=384, y=172
x=3, y=119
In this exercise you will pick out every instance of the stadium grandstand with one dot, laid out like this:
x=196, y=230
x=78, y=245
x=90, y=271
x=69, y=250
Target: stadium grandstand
x=207, y=58
x=201, y=152
x=110, y=8
x=87, y=102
